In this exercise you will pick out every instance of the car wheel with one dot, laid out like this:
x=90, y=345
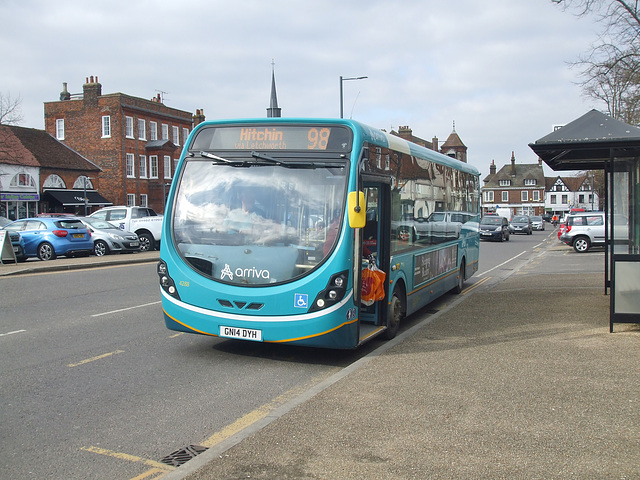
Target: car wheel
x=46, y=251
x=502, y=237
x=396, y=313
x=508, y=236
x=581, y=244
x=100, y=248
x=146, y=242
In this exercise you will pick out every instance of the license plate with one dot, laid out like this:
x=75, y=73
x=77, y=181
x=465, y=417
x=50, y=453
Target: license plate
x=16, y=249
x=241, y=333
x=134, y=244
x=78, y=235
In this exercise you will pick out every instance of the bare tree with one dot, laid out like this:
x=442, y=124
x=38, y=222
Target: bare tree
x=611, y=68
x=10, y=112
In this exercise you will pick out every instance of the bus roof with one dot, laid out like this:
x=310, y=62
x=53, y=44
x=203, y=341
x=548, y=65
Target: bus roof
x=364, y=133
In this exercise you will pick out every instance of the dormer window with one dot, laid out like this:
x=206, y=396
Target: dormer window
x=530, y=182
x=505, y=183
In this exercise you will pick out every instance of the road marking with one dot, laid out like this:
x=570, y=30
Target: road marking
x=131, y=458
x=475, y=285
x=177, y=335
x=11, y=333
x=503, y=263
x=93, y=359
x=125, y=309
x=153, y=471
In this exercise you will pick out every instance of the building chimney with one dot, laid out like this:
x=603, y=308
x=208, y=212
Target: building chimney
x=91, y=90
x=434, y=143
x=199, y=117
x=492, y=168
x=64, y=94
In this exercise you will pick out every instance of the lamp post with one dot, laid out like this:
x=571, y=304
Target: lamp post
x=343, y=79
x=86, y=200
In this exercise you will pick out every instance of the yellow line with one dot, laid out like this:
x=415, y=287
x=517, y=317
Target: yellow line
x=475, y=285
x=148, y=473
x=128, y=458
x=259, y=413
x=93, y=359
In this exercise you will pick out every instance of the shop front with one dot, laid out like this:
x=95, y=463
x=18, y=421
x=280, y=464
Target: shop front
x=15, y=206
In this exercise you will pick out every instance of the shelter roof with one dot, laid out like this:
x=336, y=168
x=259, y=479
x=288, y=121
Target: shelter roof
x=588, y=142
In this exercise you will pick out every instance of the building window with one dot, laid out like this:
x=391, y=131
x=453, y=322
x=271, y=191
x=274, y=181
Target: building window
x=505, y=183
x=142, y=129
x=167, y=166
x=106, y=126
x=83, y=182
x=131, y=167
x=165, y=131
x=524, y=196
x=176, y=135
x=488, y=196
x=553, y=200
x=153, y=166
x=22, y=180
x=153, y=131
x=131, y=200
x=144, y=200
x=185, y=135
x=536, y=195
x=142, y=166
x=505, y=196
x=565, y=199
x=530, y=182
x=54, y=181
x=581, y=198
x=128, y=127
x=60, y=129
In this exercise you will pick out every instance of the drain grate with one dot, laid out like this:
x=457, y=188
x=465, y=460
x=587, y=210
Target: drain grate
x=182, y=456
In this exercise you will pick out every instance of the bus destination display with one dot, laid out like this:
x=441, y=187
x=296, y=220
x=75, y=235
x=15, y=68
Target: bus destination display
x=280, y=137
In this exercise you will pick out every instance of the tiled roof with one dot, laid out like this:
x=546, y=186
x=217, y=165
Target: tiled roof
x=523, y=171
x=39, y=148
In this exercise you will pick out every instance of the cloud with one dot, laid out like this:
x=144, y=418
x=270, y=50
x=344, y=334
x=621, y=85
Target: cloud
x=498, y=69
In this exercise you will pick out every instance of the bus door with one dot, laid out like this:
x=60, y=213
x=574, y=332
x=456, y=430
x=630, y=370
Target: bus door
x=375, y=247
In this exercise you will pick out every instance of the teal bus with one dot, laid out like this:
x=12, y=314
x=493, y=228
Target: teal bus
x=270, y=224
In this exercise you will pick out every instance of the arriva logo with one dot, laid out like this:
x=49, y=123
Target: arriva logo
x=252, y=272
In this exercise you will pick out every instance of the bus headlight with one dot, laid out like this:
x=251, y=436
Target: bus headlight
x=166, y=282
x=333, y=292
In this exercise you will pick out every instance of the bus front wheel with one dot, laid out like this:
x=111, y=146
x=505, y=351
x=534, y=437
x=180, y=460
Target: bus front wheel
x=396, y=313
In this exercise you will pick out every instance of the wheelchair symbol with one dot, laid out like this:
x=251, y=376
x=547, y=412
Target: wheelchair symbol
x=300, y=300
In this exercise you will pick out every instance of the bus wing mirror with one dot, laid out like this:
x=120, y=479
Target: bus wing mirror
x=357, y=210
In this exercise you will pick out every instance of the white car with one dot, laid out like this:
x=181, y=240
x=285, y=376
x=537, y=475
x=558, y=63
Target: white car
x=537, y=222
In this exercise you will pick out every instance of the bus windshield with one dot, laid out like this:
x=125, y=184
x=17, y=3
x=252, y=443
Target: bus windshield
x=258, y=224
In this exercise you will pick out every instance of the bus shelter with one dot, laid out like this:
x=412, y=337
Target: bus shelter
x=598, y=142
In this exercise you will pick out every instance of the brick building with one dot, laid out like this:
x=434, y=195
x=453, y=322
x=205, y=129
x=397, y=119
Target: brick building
x=518, y=187
x=136, y=142
x=452, y=147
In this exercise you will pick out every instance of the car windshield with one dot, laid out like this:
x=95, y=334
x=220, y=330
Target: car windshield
x=536, y=219
x=491, y=220
x=257, y=225
x=520, y=219
x=99, y=223
x=71, y=224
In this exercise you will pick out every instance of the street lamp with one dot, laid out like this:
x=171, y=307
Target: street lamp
x=342, y=79
x=86, y=200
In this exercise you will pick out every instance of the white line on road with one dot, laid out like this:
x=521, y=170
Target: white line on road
x=11, y=333
x=125, y=309
x=498, y=266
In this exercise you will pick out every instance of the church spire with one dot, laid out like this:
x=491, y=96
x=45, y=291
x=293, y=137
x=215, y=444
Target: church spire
x=273, y=110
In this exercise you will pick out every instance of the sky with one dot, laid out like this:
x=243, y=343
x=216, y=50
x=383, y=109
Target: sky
x=499, y=69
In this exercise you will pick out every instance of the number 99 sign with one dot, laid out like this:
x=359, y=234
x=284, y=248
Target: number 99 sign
x=318, y=138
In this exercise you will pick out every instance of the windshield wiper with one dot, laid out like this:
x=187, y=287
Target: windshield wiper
x=281, y=163
x=215, y=157
x=262, y=156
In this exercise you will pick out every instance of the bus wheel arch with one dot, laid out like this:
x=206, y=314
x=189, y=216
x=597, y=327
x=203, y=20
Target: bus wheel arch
x=462, y=276
x=397, y=310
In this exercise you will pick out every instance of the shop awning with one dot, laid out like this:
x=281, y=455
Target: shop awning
x=76, y=197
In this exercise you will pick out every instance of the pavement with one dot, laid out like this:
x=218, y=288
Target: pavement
x=518, y=377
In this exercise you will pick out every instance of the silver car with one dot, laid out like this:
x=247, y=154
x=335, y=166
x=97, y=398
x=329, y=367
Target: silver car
x=107, y=238
x=537, y=222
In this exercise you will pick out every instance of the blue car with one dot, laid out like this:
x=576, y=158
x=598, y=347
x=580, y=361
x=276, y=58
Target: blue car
x=46, y=238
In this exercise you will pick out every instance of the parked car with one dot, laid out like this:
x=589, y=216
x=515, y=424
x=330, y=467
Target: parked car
x=537, y=222
x=494, y=227
x=4, y=221
x=46, y=238
x=547, y=217
x=107, y=238
x=584, y=230
x=521, y=224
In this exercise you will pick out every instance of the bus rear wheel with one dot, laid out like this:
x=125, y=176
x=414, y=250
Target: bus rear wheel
x=396, y=313
x=461, y=278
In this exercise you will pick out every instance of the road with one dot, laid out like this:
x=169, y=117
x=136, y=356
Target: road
x=92, y=381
